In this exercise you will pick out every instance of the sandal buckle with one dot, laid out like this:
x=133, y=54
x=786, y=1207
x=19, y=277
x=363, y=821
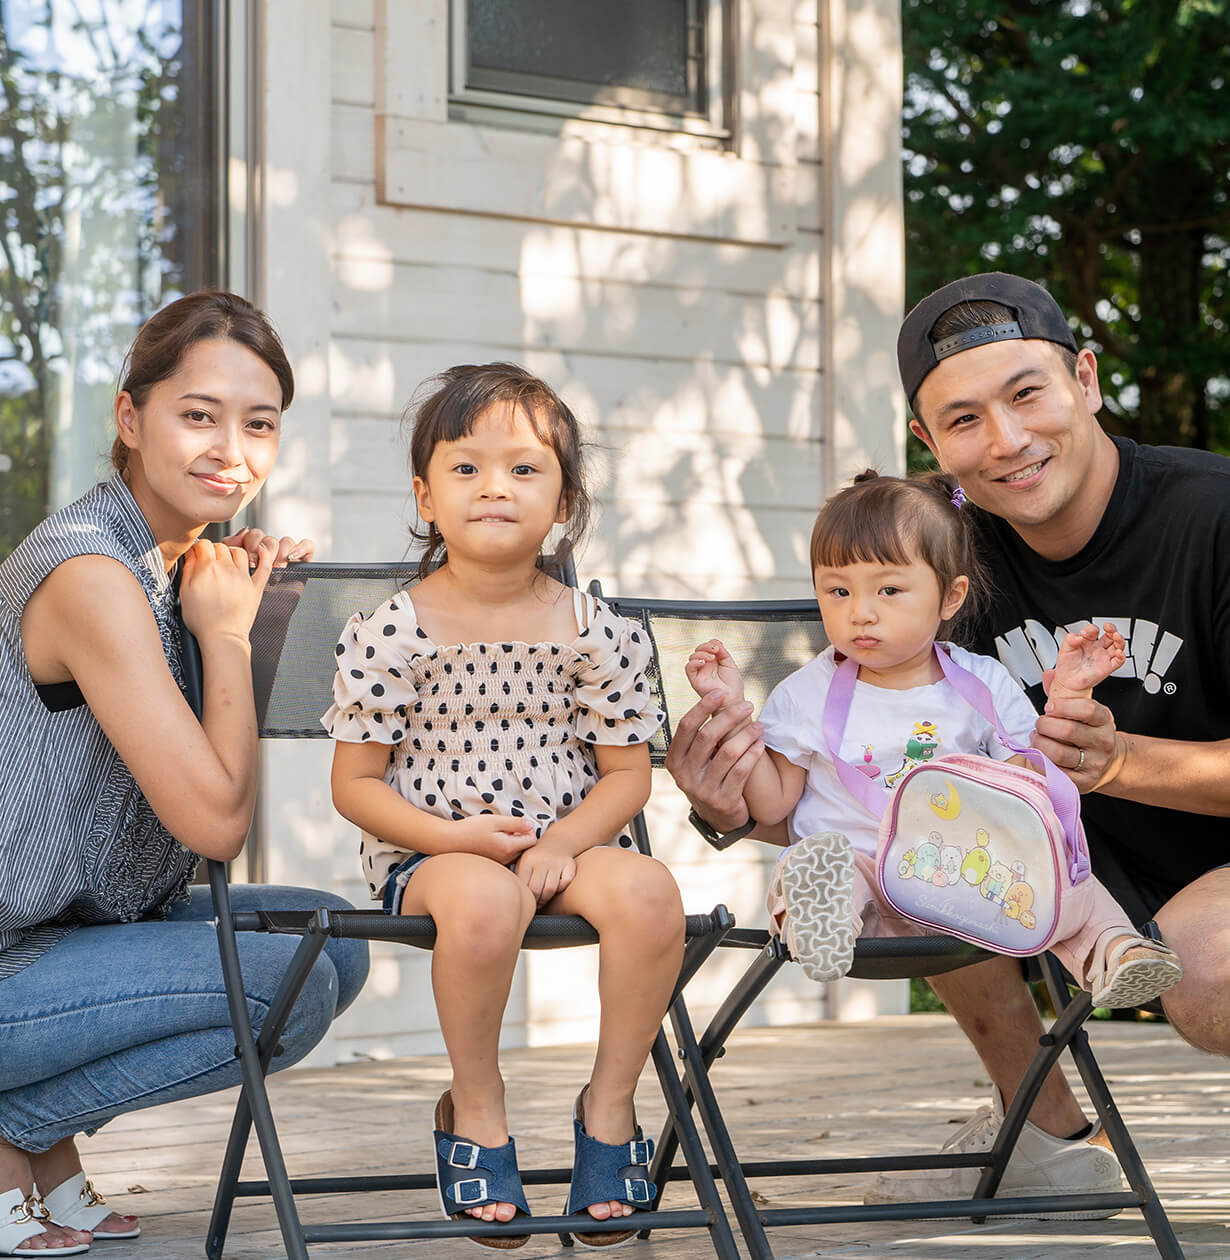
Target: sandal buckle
x=640, y=1151
x=637, y=1190
x=461, y=1194
x=91, y=1196
x=456, y=1160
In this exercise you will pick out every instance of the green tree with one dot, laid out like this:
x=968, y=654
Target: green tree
x=1086, y=144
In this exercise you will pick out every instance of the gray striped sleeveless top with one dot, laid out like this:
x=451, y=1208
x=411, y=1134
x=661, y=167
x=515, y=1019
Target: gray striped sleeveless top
x=79, y=843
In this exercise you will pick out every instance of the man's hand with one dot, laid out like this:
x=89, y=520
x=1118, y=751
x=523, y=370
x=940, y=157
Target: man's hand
x=711, y=668
x=711, y=755
x=289, y=549
x=546, y=869
x=1079, y=736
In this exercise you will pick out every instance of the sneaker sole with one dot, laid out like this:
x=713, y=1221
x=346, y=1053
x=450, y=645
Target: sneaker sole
x=818, y=889
x=1099, y=1214
x=1138, y=981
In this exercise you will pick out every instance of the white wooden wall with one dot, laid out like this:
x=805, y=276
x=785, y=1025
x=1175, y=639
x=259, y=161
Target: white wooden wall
x=722, y=323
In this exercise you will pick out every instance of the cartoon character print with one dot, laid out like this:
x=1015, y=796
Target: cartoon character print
x=919, y=747
x=950, y=866
x=996, y=883
x=1018, y=903
x=927, y=861
x=977, y=861
x=905, y=868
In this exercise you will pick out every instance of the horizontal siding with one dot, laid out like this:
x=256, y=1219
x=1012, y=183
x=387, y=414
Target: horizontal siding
x=370, y=237
x=426, y=302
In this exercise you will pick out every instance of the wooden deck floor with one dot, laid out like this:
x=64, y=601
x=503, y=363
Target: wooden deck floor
x=875, y=1088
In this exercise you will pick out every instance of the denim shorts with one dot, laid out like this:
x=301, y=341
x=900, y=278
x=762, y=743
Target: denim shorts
x=397, y=881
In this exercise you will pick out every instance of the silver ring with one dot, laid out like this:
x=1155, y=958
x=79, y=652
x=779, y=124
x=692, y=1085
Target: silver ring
x=1080, y=760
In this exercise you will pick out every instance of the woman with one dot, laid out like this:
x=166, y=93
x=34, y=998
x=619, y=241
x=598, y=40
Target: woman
x=111, y=789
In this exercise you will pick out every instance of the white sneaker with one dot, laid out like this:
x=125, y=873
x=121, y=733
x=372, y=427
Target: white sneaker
x=815, y=881
x=1041, y=1164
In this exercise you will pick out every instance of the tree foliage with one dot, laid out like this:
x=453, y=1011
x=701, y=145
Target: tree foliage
x=1085, y=144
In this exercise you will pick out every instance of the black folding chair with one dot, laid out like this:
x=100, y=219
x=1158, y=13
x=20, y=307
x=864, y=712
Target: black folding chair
x=769, y=640
x=293, y=664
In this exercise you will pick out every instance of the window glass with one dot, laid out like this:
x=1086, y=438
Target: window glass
x=109, y=181
x=639, y=53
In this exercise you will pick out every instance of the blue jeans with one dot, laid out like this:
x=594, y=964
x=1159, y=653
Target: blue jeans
x=128, y=1015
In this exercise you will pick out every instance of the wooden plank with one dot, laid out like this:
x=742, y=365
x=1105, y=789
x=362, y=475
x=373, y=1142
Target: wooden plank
x=418, y=302
x=609, y=393
x=366, y=230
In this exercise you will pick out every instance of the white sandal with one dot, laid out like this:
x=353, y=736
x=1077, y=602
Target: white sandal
x=75, y=1204
x=21, y=1218
x=1114, y=981
x=815, y=882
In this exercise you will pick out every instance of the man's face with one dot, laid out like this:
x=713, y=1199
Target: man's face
x=1016, y=427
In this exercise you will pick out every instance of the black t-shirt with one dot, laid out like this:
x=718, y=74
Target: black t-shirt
x=1158, y=566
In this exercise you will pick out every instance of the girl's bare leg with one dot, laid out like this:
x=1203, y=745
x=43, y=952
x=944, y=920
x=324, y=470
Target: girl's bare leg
x=17, y=1171
x=481, y=911
x=634, y=904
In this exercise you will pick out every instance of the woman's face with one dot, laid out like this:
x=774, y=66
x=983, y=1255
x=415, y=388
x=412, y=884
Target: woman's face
x=206, y=438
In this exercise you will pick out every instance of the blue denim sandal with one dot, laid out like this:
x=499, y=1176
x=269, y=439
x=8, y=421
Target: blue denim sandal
x=471, y=1176
x=605, y=1172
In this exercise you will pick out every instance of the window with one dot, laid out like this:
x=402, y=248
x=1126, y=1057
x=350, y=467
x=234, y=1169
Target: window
x=656, y=63
x=110, y=198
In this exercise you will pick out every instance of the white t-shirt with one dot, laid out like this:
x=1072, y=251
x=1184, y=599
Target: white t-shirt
x=886, y=733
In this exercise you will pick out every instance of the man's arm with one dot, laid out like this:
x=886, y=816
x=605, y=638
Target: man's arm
x=711, y=758
x=1173, y=773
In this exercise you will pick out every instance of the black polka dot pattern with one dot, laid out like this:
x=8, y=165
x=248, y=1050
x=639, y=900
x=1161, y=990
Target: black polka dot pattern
x=543, y=707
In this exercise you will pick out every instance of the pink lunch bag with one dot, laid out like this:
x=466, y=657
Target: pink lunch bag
x=970, y=846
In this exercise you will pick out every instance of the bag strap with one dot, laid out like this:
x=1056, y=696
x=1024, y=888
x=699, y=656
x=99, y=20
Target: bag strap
x=1064, y=797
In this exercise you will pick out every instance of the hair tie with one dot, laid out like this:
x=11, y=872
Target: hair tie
x=958, y=498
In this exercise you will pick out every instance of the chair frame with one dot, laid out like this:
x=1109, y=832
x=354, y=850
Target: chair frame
x=256, y=1053
x=886, y=958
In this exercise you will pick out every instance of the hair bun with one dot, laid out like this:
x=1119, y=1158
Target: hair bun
x=868, y=474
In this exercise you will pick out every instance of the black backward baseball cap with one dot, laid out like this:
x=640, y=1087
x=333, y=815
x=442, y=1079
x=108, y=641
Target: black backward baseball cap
x=1038, y=318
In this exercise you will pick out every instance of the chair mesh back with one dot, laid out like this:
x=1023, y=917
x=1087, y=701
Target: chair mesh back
x=301, y=618
x=768, y=640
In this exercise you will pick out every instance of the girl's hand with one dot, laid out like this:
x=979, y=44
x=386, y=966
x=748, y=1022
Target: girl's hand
x=289, y=549
x=219, y=594
x=496, y=836
x=1086, y=659
x=711, y=668
x=546, y=870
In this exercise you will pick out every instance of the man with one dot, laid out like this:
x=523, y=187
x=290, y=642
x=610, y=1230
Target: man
x=1074, y=527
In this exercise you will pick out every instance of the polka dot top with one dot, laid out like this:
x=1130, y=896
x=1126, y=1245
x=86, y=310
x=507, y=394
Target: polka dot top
x=488, y=728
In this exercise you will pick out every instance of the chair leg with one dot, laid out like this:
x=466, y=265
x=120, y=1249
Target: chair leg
x=679, y=1119
x=729, y=1168
x=253, y=1104
x=750, y=986
x=1112, y=1122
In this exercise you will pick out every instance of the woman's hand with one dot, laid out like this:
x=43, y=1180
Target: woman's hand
x=219, y=594
x=288, y=549
x=546, y=869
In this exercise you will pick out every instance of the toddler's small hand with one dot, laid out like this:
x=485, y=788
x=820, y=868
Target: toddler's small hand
x=497, y=836
x=546, y=871
x=711, y=668
x=1087, y=658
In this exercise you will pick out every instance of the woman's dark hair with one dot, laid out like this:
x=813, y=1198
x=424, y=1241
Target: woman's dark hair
x=445, y=410
x=895, y=520
x=168, y=335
